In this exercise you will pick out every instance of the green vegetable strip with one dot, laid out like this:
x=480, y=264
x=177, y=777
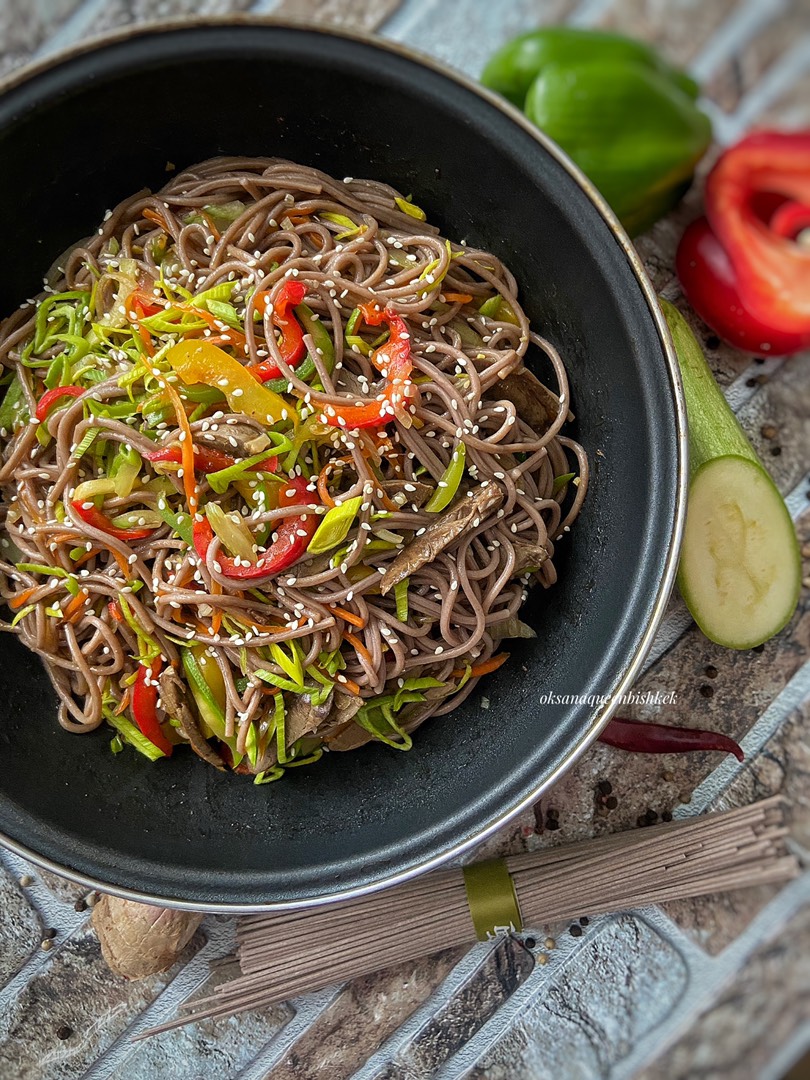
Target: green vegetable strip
x=401, y=597
x=561, y=481
x=449, y=482
x=14, y=410
x=219, y=481
x=335, y=526
x=129, y=733
x=179, y=523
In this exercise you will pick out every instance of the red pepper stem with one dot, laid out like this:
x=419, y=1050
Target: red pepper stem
x=640, y=737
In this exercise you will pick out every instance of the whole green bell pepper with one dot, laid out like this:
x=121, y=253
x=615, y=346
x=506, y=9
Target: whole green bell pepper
x=513, y=68
x=623, y=115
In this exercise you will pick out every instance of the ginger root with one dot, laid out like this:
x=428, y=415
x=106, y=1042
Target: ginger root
x=138, y=940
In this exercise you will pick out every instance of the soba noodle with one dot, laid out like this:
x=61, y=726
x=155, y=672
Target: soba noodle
x=271, y=668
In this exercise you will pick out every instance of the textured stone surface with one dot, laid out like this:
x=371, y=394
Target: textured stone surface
x=768, y=1000
x=360, y=1020
x=363, y=14
x=503, y=971
x=678, y=27
x=213, y=1047
x=78, y=990
x=465, y=35
x=740, y=73
x=20, y=928
x=25, y=25
x=617, y=987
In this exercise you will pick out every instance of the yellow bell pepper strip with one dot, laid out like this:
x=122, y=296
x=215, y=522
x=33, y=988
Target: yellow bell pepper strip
x=393, y=361
x=292, y=538
x=201, y=362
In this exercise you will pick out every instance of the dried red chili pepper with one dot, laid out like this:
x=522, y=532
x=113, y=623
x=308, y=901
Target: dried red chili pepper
x=640, y=737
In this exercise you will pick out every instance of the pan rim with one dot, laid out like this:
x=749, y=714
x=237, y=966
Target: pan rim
x=633, y=666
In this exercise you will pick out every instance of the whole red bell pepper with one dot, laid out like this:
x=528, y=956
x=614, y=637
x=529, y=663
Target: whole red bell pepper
x=744, y=267
x=50, y=397
x=206, y=459
x=291, y=346
x=292, y=537
x=393, y=361
x=144, y=706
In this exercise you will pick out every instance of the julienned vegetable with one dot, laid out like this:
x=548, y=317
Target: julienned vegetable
x=277, y=534
x=740, y=570
x=626, y=117
x=393, y=361
x=745, y=267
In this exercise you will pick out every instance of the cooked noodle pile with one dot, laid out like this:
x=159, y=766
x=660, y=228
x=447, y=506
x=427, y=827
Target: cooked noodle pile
x=324, y=550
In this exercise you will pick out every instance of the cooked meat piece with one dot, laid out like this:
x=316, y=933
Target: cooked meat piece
x=344, y=707
x=468, y=511
x=529, y=555
x=350, y=737
x=535, y=403
x=173, y=694
x=301, y=718
x=407, y=492
x=240, y=440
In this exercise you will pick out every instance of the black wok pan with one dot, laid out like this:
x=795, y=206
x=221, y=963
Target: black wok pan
x=80, y=133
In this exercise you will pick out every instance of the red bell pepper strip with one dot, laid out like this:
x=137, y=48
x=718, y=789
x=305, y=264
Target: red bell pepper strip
x=709, y=284
x=757, y=202
x=97, y=519
x=292, y=537
x=50, y=397
x=291, y=346
x=635, y=735
x=143, y=304
x=393, y=361
x=144, y=706
x=206, y=459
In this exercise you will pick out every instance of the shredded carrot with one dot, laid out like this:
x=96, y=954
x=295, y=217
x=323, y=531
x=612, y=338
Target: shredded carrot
x=299, y=217
x=217, y=235
x=122, y=562
x=264, y=628
x=348, y=616
x=484, y=668
x=124, y=702
x=114, y=609
x=64, y=537
x=216, y=618
x=187, y=443
x=458, y=297
x=18, y=600
x=146, y=338
x=76, y=606
x=323, y=485
x=155, y=218
x=358, y=646
x=88, y=555
x=351, y=685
